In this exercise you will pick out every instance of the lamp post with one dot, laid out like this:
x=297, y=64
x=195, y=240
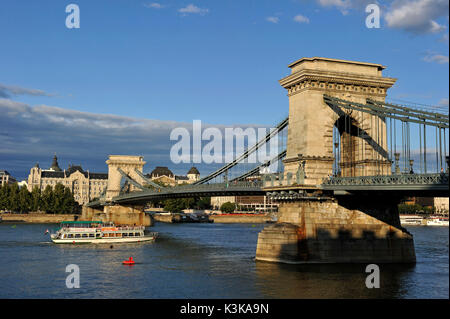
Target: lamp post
x=397, y=167
x=411, y=163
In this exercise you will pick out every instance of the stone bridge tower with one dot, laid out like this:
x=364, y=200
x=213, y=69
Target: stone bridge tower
x=327, y=227
x=128, y=164
x=311, y=120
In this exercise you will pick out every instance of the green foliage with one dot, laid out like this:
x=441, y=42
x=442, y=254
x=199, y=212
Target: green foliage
x=203, y=203
x=13, y=199
x=56, y=201
x=47, y=199
x=228, y=207
x=174, y=206
x=4, y=197
x=413, y=209
x=35, y=203
x=24, y=200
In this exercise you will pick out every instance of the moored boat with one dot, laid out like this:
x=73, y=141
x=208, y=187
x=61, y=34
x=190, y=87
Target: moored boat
x=437, y=221
x=97, y=232
x=411, y=220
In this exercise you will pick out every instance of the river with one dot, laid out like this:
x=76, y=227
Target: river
x=204, y=261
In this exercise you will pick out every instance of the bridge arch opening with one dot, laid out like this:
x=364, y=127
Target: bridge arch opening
x=359, y=145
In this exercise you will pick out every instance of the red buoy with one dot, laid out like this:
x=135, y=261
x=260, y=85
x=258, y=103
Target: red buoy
x=130, y=261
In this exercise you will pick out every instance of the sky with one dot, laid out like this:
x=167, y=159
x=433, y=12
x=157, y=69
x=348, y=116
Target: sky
x=135, y=70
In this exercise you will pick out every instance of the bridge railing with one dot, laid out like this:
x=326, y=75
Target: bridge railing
x=216, y=186
x=403, y=179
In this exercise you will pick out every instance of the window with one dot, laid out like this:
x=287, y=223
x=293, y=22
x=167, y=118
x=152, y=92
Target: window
x=70, y=236
x=77, y=235
x=137, y=234
x=91, y=235
x=131, y=234
x=84, y=235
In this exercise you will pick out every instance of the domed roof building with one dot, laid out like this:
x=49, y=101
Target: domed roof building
x=193, y=174
x=84, y=185
x=164, y=175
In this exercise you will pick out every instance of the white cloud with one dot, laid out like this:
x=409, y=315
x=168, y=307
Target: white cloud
x=437, y=58
x=301, y=19
x=273, y=19
x=153, y=5
x=7, y=90
x=335, y=3
x=444, y=102
x=193, y=9
x=417, y=16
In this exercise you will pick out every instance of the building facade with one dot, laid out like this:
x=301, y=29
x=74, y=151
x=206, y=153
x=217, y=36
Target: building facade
x=165, y=176
x=256, y=203
x=6, y=178
x=84, y=185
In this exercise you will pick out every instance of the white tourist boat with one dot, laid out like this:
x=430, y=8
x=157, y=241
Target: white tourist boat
x=97, y=232
x=437, y=221
x=411, y=220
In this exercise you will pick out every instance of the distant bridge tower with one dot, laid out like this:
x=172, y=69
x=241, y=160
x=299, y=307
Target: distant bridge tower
x=362, y=142
x=127, y=164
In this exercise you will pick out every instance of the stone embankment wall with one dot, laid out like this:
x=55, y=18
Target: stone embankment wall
x=38, y=218
x=253, y=219
x=120, y=215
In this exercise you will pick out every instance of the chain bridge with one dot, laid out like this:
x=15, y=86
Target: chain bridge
x=346, y=158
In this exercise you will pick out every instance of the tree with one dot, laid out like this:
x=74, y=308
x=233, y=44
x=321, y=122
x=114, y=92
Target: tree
x=174, y=206
x=69, y=204
x=204, y=203
x=4, y=197
x=58, y=199
x=35, y=204
x=24, y=200
x=47, y=199
x=228, y=207
x=13, y=201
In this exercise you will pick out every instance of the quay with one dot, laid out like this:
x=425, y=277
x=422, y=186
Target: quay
x=38, y=218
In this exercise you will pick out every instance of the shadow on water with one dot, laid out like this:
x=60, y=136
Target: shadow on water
x=329, y=280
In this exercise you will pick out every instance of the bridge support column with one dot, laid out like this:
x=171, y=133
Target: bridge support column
x=120, y=215
x=356, y=230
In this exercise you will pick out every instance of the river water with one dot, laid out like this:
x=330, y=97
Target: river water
x=204, y=261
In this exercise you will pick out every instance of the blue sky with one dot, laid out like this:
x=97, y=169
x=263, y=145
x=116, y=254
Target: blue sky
x=177, y=61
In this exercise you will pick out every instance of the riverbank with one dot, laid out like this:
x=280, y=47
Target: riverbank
x=37, y=218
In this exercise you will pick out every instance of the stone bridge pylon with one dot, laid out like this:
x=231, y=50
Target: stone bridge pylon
x=128, y=164
x=312, y=122
x=118, y=166
x=326, y=227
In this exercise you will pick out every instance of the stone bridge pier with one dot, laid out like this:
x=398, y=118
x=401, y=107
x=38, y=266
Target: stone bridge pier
x=322, y=227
